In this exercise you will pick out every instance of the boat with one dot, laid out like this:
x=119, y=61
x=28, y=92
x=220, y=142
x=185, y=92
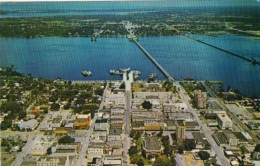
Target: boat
x=112, y=72
x=125, y=70
x=93, y=38
x=137, y=72
x=136, y=76
x=115, y=72
x=86, y=73
x=152, y=76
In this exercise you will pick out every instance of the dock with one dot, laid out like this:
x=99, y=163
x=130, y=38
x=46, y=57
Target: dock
x=226, y=51
x=164, y=72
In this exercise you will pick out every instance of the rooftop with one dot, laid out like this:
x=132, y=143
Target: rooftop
x=152, y=143
x=223, y=117
x=101, y=121
x=115, y=131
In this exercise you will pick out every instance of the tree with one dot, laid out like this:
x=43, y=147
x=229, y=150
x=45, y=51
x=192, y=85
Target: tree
x=80, y=100
x=49, y=151
x=147, y=105
x=189, y=145
x=160, y=133
x=257, y=148
x=55, y=106
x=162, y=161
x=167, y=147
x=135, y=158
x=180, y=149
x=66, y=140
x=137, y=135
x=7, y=123
x=132, y=150
x=132, y=133
x=122, y=86
x=67, y=106
x=11, y=106
x=204, y=155
x=140, y=162
x=21, y=114
x=99, y=91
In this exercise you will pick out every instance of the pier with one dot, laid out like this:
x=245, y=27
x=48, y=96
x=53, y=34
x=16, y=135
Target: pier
x=226, y=51
x=164, y=72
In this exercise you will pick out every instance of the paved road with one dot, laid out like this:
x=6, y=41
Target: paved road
x=79, y=161
x=127, y=127
x=104, y=96
x=231, y=115
x=208, y=133
x=19, y=158
x=179, y=160
x=127, y=130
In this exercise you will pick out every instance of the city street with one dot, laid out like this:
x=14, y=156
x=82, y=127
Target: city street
x=127, y=126
x=217, y=149
x=234, y=118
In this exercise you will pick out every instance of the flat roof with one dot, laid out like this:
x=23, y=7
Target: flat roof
x=221, y=137
x=115, y=131
x=224, y=117
x=101, y=121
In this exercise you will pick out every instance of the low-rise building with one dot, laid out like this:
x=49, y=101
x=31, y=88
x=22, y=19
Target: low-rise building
x=28, y=125
x=154, y=125
x=55, y=161
x=112, y=161
x=100, y=135
x=188, y=159
x=232, y=139
x=101, y=125
x=96, y=149
x=115, y=134
x=82, y=120
x=152, y=147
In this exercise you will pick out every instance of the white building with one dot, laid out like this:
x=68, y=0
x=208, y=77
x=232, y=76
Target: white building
x=102, y=125
x=96, y=149
x=28, y=125
x=224, y=121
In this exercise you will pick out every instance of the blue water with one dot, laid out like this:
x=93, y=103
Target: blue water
x=183, y=58
x=54, y=57
x=242, y=45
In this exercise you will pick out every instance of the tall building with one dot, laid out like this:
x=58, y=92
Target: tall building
x=180, y=129
x=200, y=99
x=224, y=122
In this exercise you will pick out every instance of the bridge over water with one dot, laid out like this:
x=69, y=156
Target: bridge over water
x=226, y=51
x=165, y=73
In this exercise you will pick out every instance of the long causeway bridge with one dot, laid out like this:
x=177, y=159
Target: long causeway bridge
x=226, y=51
x=165, y=73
